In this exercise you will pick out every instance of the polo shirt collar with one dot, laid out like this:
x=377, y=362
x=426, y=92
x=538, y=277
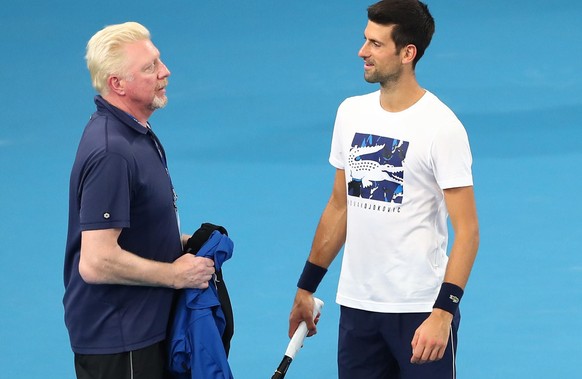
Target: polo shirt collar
x=124, y=117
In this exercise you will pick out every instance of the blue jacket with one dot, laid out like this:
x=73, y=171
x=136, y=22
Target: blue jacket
x=196, y=348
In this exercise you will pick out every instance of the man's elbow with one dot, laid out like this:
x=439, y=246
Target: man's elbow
x=89, y=271
x=475, y=238
x=468, y=237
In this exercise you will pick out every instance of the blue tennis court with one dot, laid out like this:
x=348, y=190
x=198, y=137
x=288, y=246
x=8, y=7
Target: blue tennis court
x=252, y=99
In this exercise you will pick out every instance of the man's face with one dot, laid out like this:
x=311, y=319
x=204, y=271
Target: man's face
x=146, y=76
x=382, y=61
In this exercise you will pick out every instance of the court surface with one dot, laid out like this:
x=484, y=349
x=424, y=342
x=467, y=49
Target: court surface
x=252, y=99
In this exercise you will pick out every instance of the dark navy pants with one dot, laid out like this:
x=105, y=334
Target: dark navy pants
x=146, y=363
x=378, y=346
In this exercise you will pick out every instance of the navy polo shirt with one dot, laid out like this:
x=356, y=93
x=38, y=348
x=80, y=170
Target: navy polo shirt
x=119, y=180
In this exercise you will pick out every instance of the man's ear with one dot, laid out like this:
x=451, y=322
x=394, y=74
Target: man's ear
x=116, y=84
x=408, y=54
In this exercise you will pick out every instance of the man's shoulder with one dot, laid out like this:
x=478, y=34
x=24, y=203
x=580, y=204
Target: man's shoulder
x=367, y=97
x=358, y=101
x=437, y=105
x=101, y=126
x=104, y=134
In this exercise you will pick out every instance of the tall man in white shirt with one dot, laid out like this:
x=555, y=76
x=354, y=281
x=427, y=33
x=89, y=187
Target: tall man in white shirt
x=403, y=164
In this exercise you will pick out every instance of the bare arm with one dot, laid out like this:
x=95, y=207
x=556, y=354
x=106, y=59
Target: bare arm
x=463, y=214
x=431, y=338
x=103, y=261
x=330, y=236
x=184, y=239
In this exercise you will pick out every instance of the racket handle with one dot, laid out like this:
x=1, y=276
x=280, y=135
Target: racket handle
x=299, y=336
x=296, y=342
x=282, y=369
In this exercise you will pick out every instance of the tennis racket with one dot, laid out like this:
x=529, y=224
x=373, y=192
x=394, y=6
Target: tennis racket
x=296, y=343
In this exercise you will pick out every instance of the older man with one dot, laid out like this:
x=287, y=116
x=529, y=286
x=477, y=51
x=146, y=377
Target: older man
x=124, y=249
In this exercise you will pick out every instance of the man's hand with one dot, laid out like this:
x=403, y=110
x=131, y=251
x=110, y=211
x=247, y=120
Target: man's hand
x=431, y=338
x=302, y=311
x=191, y=271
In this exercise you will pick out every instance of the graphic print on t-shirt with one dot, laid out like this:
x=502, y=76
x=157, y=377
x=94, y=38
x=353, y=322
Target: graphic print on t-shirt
x=375, y=168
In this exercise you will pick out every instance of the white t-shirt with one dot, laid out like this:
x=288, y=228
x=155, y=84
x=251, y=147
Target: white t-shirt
x=396, y=167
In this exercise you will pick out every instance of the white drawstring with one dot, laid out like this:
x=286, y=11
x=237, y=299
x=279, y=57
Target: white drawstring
x=453, y=353
x=131, y=364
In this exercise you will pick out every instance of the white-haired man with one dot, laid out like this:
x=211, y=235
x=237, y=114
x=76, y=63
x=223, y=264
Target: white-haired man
x=124, y=249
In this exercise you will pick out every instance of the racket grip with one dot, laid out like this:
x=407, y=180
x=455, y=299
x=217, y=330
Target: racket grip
x=282, y=369
x=301, y=332
x=296, y=343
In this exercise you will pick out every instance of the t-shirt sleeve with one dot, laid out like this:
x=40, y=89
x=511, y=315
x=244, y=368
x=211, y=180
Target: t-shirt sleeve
x=451, y=157
x=105, y=193
x=336, y=155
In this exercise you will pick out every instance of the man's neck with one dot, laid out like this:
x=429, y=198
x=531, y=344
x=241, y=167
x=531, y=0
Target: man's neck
x=140, y=116
x=401, y=95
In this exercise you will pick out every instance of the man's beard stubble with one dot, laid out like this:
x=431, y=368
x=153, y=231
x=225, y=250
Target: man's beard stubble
x=160, y=102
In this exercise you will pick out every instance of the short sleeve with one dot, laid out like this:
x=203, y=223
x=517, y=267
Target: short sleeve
x=336, y=155
x=451, y=157
x=105, y=193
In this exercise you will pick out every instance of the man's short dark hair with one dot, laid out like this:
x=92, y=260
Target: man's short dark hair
x=413, y=23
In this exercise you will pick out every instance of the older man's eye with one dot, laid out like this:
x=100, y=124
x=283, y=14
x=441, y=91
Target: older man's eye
x=150, y=68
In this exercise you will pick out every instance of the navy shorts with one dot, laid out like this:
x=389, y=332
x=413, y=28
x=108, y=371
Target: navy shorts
x=378, y=346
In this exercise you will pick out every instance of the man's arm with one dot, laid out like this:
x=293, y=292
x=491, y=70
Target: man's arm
x=184, y=239
x=431, y=338
x=330, y=236
x=103, y=261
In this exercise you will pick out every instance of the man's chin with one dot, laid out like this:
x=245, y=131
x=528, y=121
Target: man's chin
x=370, y=78
x=159, y=103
